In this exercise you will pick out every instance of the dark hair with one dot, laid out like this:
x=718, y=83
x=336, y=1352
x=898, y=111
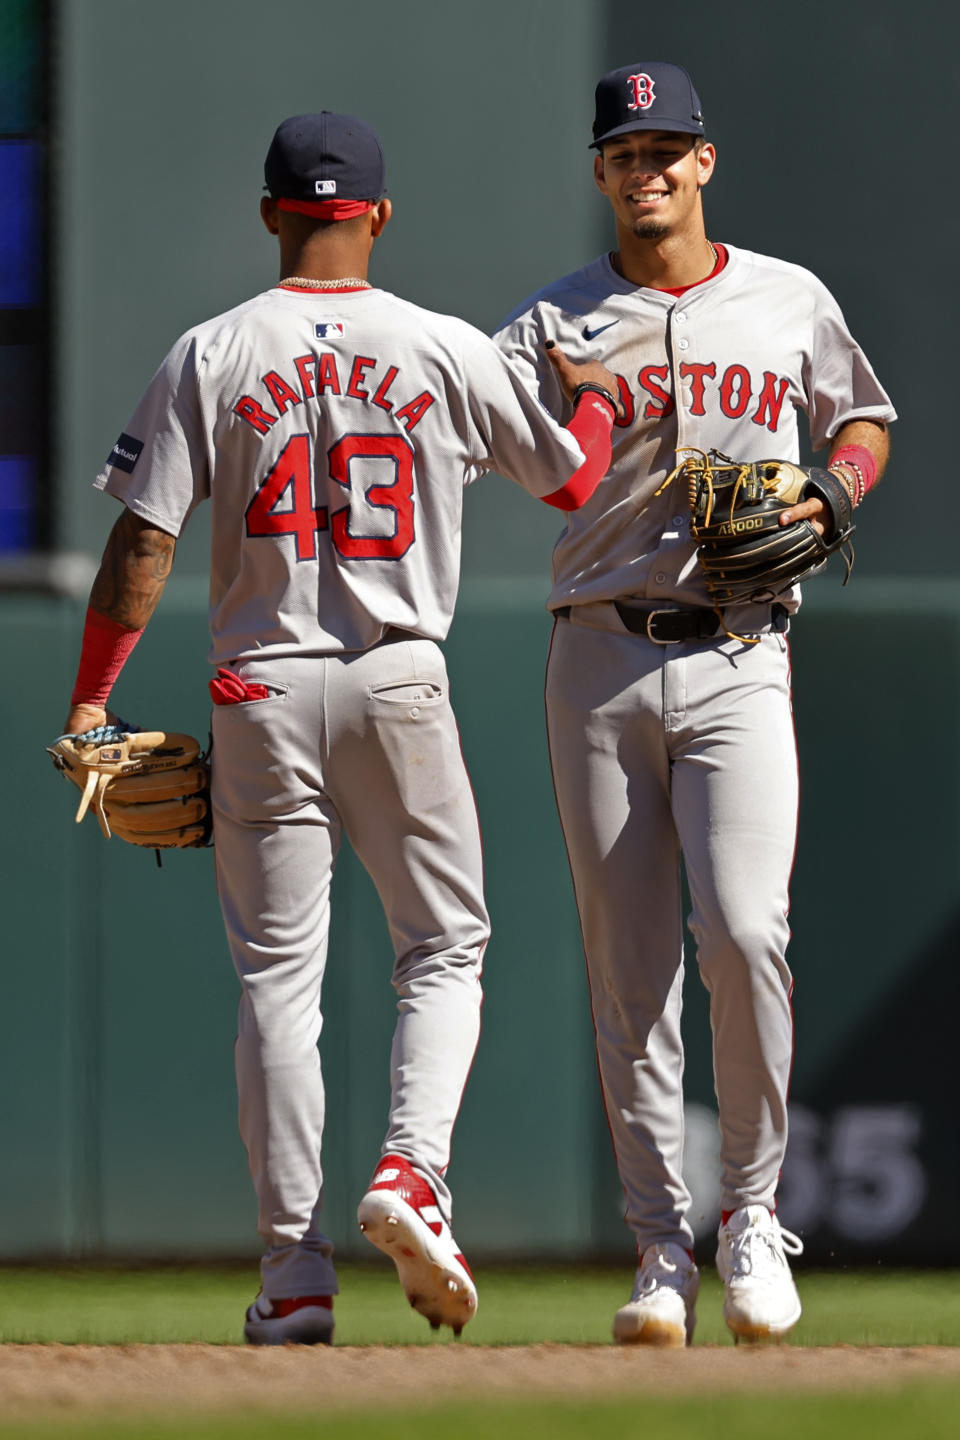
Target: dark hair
x=698, y=140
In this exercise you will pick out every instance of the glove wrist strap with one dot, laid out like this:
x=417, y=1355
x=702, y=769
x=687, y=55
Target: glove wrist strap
x=103, y=654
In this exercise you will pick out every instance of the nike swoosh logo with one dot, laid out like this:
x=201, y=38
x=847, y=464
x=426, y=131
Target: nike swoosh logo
x=592, y=334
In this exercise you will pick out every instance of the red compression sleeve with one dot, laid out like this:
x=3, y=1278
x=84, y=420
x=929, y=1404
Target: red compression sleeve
x=591, y=426
x=103, y=655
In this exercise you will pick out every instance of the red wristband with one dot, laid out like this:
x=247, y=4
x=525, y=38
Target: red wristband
x=860, y=460
x=103, y=655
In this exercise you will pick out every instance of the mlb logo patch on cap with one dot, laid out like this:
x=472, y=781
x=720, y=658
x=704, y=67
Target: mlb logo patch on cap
x=651, y=95
x=326, y=154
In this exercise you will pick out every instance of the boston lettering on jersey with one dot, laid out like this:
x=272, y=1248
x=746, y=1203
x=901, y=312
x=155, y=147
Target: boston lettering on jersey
x=320, y=375
x=735, y=393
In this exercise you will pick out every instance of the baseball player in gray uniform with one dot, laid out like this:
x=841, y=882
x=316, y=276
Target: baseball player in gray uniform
x=670, y=740
x=333, y=427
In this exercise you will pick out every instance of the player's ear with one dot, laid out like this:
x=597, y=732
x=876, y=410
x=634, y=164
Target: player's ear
x=706, y=159
x=269, y=214
x=598, y=175
x=380, y=215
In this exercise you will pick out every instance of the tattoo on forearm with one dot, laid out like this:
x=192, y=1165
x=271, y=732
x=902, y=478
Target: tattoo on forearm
x=136, y=562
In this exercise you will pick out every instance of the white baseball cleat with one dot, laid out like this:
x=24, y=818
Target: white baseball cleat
x=306, y=1320
x=399, y=1214
x=761, y=1299
x=662, y=1309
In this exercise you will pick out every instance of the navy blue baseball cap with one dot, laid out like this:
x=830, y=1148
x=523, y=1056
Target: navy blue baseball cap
x=648, y=96
x=324, y=165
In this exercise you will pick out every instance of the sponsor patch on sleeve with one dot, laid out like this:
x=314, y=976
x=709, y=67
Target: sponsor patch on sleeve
x=125, y=453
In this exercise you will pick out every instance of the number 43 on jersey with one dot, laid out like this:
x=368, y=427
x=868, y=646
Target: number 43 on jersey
x=285, y=502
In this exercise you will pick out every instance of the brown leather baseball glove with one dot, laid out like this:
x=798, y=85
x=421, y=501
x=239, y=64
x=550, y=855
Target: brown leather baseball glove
x=147, y=786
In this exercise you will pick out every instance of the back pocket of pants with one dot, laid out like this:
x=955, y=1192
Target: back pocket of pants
x=408, y=693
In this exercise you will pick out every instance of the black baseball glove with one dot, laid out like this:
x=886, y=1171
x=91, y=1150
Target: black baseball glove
x=745, y=553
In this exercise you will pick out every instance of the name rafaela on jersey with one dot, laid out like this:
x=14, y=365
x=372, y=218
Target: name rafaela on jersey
x=313, y=377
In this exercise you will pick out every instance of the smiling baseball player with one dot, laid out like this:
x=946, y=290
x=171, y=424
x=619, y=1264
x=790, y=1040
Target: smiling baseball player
x=669, y=718
x=333, y=426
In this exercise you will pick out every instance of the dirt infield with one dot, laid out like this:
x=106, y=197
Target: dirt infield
x=75, y=1379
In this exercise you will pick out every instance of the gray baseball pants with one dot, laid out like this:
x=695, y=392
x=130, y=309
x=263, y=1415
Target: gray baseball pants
x=662, y=753
x=366, y=743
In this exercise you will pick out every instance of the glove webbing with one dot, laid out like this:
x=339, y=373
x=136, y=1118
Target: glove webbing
x=689, y=466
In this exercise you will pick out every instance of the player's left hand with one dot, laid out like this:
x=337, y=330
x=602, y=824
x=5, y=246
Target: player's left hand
x=87, y=717
x=571, y=375
x=150, y=787
x=813, y=510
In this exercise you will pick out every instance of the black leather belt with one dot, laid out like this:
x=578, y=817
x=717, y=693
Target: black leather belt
x=672, y=625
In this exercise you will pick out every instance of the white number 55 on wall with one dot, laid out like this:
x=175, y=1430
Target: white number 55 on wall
x=856, y=1171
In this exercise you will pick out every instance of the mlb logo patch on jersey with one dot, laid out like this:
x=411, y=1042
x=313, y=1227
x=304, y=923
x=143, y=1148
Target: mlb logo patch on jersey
x=326, y=187
x=125, y=453
x=329, y=329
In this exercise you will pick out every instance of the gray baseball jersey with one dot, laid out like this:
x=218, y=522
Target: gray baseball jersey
x=334, y=432
x=684, y=752
x=693, y=377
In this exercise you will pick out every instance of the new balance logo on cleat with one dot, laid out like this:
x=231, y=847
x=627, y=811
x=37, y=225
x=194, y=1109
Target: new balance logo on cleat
x=399, y=1214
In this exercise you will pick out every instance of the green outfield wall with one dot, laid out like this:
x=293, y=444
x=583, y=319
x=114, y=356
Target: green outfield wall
x=119, y=1016
x=118, y=1128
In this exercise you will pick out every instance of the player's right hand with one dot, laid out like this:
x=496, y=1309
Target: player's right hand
x=571, y=375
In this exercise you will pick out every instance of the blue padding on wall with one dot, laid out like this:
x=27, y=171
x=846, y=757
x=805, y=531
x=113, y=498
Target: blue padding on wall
x=19, y=199
x=17, y=478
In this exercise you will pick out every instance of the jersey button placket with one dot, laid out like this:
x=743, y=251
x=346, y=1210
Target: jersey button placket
x=682, y=387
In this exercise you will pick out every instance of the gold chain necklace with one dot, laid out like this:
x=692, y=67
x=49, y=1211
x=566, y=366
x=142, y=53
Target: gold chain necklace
x=348, y=281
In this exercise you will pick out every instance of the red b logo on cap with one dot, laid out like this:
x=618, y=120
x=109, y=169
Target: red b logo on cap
x=641, y=88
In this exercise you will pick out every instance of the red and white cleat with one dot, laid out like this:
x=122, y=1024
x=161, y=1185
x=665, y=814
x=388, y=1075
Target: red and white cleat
x=399, y=1214
x=305, y=1320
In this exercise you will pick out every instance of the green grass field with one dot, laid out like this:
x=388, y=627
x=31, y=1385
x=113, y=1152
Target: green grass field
x=518, y=1306
x=112, y=1306
x=914, y=1413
